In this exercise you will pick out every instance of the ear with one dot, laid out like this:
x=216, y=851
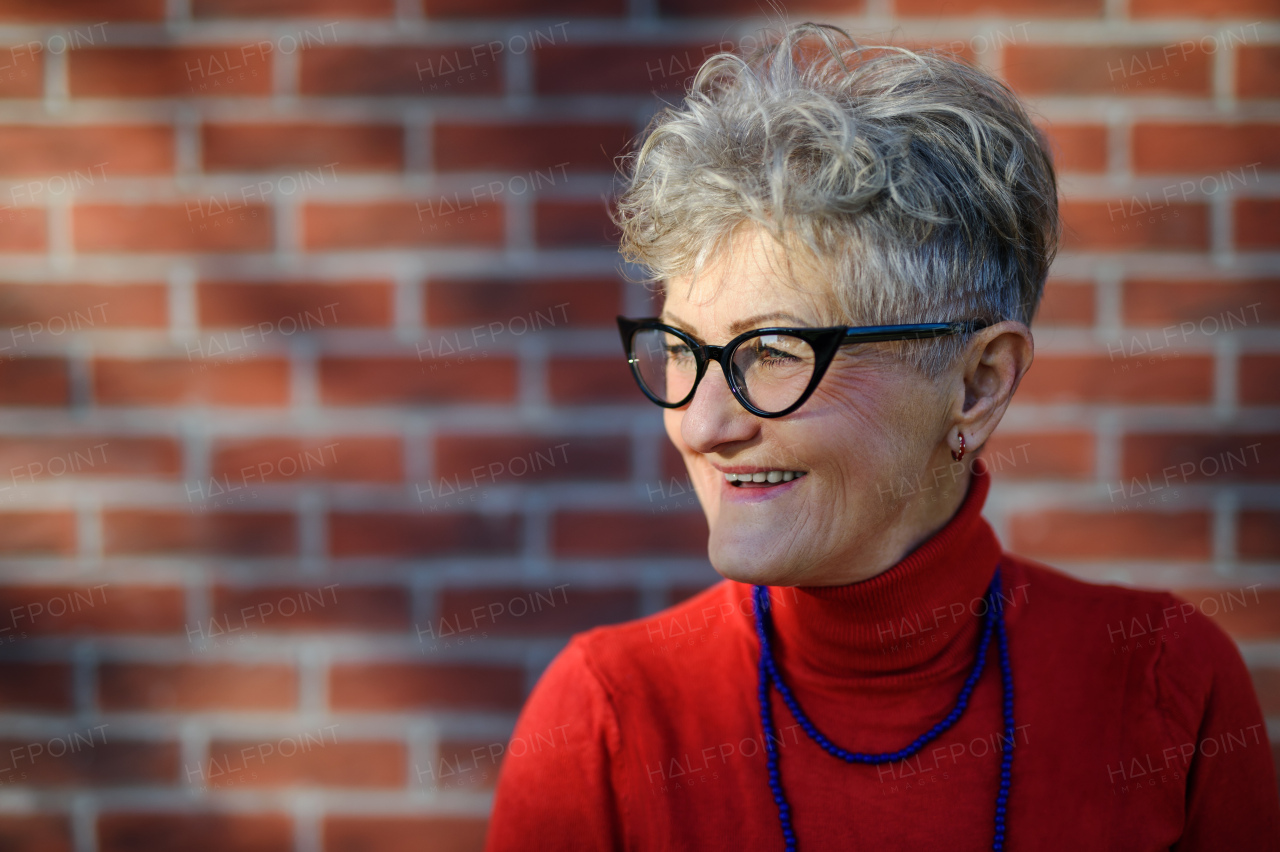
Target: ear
x=991, y=368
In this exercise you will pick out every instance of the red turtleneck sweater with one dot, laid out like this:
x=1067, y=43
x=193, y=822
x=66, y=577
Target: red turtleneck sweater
x=1137, y=725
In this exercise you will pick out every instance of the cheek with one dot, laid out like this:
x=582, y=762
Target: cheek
x=881, y=423
x=704, y=478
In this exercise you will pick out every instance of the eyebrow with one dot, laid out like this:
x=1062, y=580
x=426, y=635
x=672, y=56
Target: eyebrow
x=737, y=327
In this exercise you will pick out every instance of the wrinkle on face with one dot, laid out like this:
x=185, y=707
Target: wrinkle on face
x=872, y=421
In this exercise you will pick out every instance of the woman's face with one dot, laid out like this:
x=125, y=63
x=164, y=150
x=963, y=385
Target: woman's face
x=870, y=442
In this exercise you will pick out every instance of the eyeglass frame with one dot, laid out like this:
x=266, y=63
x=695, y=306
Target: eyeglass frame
x=824, y=341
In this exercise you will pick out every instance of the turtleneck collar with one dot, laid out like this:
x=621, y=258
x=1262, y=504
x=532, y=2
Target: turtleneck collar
x=917, y=620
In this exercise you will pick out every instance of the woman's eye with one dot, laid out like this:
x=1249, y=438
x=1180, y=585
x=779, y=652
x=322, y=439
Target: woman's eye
x=678, y=351
x=771, y=354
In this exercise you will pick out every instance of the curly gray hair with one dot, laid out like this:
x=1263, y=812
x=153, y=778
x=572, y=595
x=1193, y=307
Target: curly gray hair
x=916, y=181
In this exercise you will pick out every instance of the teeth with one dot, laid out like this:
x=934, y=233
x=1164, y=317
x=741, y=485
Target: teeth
x=769, y=476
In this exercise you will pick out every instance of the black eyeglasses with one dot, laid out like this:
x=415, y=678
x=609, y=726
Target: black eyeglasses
x=771, y=371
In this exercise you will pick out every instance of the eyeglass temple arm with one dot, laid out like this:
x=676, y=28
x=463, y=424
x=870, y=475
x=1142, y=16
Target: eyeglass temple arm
x=873, y=333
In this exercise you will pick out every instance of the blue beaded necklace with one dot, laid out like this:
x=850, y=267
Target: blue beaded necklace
x=992, y=622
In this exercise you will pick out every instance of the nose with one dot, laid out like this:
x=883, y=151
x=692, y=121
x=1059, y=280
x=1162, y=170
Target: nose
x=714, y=416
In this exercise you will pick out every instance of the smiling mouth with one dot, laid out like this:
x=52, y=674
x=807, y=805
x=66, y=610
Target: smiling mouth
x=763, y=478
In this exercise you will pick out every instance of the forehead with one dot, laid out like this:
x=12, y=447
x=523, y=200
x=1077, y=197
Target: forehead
x=752, y=276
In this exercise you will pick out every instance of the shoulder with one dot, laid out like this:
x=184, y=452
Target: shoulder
x=1117, y=614
x=664, y=650
x=1151, y=634
x=1133, y=612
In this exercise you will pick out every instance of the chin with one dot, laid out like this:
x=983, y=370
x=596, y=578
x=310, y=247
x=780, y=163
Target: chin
x=757, y=568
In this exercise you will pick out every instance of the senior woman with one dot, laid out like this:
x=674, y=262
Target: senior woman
x=852, y=243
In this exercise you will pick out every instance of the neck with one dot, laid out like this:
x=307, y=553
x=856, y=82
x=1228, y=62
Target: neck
x=935, y=502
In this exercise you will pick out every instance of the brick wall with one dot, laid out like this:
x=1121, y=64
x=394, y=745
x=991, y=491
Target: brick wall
x=316, y=444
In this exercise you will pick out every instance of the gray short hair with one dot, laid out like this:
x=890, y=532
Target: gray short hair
x=915, y=180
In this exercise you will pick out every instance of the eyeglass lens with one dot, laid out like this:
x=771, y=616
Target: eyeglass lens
x=771, y=370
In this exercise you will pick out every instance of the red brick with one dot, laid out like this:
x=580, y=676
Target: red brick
x=81, y=11
x=33, y=459
x=113, y=762
x=538, y=304
x=1259, y=382
x=373, y=687
x=178, y=72
x=54, y=309
x=1170, y=460
x=1223, y=156
x=196, y=687
x=292, y=306
x=542, y=611
x=1258, y=70
x=294, y=9
x=752, y=8
x=1066, y=303
x=147, y=531
x=81, y=156
x=1134, y=534
x=672, y=464
x=547, y=149
x=1078, y=147
x=524, y=459
x=1266, y=682
x=52, y=532
x=1037, y=8
x=263, y=147
x=35, y=833
x=618, y=533
x=466, y=764
x=1040, y=455
x=214, y=224
x=420, y=534
x=33, y=381
x=441, y=221
x=92, y=608
x=309, y=758
x=22, y=70
x=1203, y=9
x=23, y=230
x=561, y=224
x=173, y=381
x=536, y=37
x=593, y=381
x=1258, y=535
x=1134, y=70
x=1096, y=379
x=1257, y=223
x=199, y=832
x=619, y=69
x=408, y=381
x=402, y=834
x=330, y=459
x=462, y=71
x=1134, y=224
x=323, y=606
x=1246, y=613
x=1229, y=304
x=34, y=687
